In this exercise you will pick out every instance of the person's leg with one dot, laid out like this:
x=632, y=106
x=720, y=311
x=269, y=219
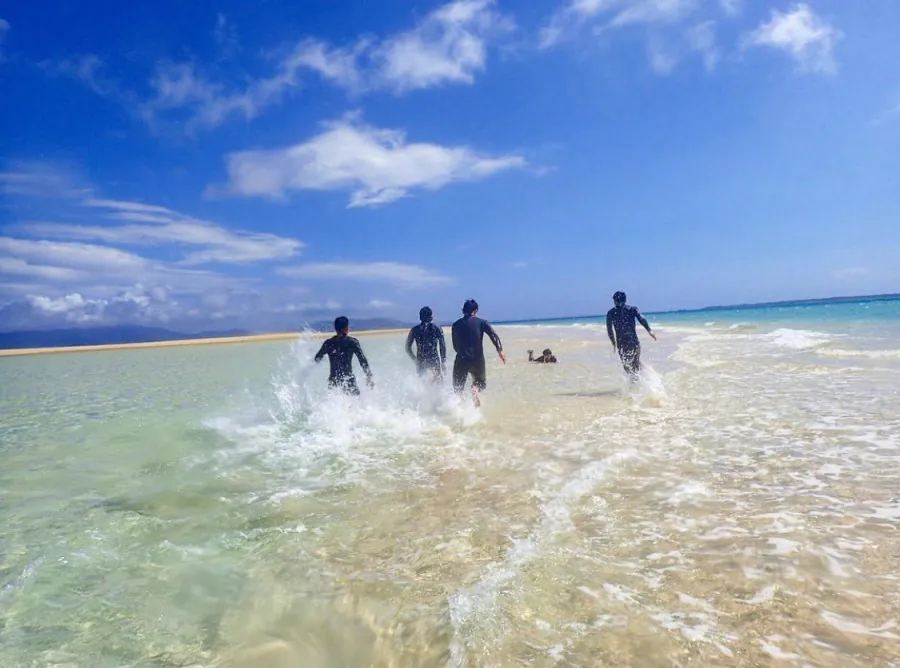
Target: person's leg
x=350, y=386
x=631, y=359
x=479, y=380
x=460, y=373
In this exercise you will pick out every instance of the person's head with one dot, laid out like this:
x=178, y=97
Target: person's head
x=548, y=352
x=425, y=314
x=619, y=298
x=341, y=325
x=470, y=307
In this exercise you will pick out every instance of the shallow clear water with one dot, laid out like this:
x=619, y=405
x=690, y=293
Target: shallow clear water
x=207, y=506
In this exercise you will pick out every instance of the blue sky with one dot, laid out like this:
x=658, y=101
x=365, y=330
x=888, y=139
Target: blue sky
x=227, y=164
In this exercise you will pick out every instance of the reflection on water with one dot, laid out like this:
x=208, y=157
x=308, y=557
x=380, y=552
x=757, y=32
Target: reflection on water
x=207, y=507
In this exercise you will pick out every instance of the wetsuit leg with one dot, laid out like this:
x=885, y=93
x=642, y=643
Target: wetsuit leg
x=347, y=385
x=479, y=375
x=631, y=358
x=460, y=373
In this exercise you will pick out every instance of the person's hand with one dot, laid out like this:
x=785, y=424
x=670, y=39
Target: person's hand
x=530, y=352
x=370, y=382
x=503, y=358
x=653, y=336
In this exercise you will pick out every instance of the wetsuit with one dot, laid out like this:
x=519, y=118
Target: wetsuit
x=431, y=350
x=543, y=359
x=620, y=326
x=340, y=350
x=468, y=333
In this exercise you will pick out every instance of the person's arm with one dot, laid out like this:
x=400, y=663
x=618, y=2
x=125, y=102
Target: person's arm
x=646, y=325
x=443, y=345
x=409, y=342
x=363, y=362
x=454, y=335
x=321, y=353
x=609, y=329
x=531, y=356
x=492, y=335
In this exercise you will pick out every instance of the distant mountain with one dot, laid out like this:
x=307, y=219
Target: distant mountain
x=95, y=336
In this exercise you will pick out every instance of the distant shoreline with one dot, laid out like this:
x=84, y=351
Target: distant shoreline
x=249, y=338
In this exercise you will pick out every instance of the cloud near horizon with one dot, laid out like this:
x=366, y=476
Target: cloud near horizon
x=143, y=263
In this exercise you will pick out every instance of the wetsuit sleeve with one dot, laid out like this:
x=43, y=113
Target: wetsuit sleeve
x=442, y=344
x=409, y=342
x=609, y=328
x=641, y=319
x=455, y=337
x=492, y=335
x=363, y=362
x=322, y=351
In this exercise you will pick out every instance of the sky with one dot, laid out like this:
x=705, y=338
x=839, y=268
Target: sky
x=211, y=165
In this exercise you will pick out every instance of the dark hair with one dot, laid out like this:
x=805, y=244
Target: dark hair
x=470, y=307
x=619, y=297
x=425, y=314
x=341, y=323
x=547, y=351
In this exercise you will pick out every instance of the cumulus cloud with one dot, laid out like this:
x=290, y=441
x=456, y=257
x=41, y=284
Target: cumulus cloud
x=447, y=46
x=375, y=165
x=801, y=33
x=404, y=275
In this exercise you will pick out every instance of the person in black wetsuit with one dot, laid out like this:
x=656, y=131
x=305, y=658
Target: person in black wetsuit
x=468, y=333
x=431, y=350
x=340, y=350
x=620, y=326
x=547, y=357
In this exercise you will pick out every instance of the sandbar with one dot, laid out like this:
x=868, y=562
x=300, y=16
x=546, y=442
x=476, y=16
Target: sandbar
x=250, y=338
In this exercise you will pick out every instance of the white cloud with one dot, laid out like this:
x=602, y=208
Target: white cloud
x=35, y=179
x=149, y=224
x=376, y=165
x=406, y=275
x=380, y=304
x=448, y=46
x=731, y=7
x=4, y=29
x=90, y=265
x=164, y=226
x=702, y=39
x=519, y=265
x=808, y=38
x=662, y=60
x=612, y=14
x=226, y=36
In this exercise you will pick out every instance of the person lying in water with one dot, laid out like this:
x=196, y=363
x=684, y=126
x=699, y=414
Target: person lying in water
x=546, y=358
x=340, y=350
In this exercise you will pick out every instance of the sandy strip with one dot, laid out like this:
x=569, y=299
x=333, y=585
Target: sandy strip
x=188, y=342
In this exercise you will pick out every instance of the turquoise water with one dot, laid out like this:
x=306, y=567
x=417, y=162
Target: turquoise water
x=213, y=506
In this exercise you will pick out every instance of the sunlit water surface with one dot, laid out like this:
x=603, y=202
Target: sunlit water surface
x=210, y=506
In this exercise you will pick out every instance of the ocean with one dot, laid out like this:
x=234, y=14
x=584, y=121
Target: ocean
x=213, y=506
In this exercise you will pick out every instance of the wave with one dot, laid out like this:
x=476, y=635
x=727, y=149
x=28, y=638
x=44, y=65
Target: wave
x=797, y=339
x=869, y=354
